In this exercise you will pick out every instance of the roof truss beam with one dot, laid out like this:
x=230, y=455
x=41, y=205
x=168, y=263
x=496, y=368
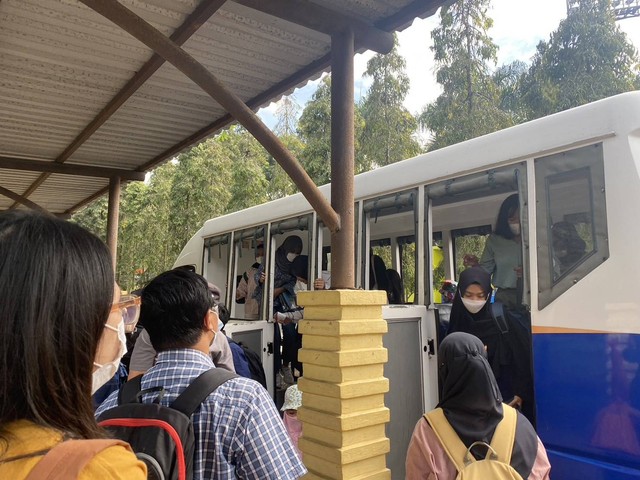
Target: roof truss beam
x=20, y=199
x=154, y=39
x=69, y=169
x=205, y=10
x=322, y=19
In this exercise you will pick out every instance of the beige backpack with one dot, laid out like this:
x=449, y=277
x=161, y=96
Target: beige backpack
x=496, y=465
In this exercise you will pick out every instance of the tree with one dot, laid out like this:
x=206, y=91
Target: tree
x=200, y=190
x=314, y=129
x=587, y=58
x=469, y=105
x=287, y=114
x=388, y=126
x=249, y=165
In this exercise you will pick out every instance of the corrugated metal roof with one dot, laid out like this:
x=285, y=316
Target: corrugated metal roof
x=62, y=63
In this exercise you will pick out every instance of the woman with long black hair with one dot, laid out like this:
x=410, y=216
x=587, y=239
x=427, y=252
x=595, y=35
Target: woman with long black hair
x=61, y=338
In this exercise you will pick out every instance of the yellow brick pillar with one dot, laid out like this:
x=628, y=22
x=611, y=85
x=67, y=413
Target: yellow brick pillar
x=343, y=413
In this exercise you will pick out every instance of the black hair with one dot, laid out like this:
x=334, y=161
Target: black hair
x=292, y=244
x=378, y=273
x=507, y=209
x=173, y=310
x=56, y=290
x=395, y=292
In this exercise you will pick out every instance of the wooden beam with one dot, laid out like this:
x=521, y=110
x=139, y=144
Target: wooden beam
x=330, y=22
x=147, y=34
x=418, y=8
x=20, y=199
x=200, y=15
x=69, y=169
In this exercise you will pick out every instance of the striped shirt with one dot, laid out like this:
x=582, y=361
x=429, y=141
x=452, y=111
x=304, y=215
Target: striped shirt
x=238, y=431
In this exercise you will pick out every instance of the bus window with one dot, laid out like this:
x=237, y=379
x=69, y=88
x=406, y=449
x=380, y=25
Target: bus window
x=571, y=219
x=389, y=253
x=216, y=263
x=468, y=242
x=464, y=211
x=248, y=256
x=279, y=232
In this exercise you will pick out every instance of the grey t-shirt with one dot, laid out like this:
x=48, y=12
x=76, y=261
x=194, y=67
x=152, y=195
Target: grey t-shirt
x=144, y=355
x=500, y=257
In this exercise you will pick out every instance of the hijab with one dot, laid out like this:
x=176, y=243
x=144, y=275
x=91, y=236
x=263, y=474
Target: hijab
x=461, y=320
x=291, y=244
x=480, y=324
x=472, y=402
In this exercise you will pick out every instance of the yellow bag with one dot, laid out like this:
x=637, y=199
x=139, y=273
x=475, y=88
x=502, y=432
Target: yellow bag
x=496, y=465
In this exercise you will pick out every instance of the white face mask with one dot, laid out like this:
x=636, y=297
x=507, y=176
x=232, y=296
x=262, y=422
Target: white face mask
x=259, y=260
x=292, y=256
x=515, y=228
x=474, y=306
x=105, y=372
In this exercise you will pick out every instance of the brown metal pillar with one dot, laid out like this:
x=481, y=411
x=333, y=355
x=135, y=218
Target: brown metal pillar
x=342, y=159
x=112, y=218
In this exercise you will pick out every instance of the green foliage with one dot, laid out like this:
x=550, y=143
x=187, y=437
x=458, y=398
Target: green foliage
x=587, y=58
x=314, y=130
x=388, y=126
x=470, y=103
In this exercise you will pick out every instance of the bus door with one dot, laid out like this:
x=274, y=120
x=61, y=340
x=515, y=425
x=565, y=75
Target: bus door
x=392, y=259
x=283, y=348
x=463, y=214
x=221, y=267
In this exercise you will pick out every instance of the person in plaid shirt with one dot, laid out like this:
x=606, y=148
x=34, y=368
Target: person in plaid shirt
x=238, y=431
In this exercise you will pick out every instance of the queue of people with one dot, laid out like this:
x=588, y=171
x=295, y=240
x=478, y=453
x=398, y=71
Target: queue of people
x=63, y=330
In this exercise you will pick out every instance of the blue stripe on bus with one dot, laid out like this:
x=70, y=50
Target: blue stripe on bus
x=588, y=404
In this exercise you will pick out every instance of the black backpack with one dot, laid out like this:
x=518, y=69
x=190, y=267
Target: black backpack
x=161, y=437
x=255, y=364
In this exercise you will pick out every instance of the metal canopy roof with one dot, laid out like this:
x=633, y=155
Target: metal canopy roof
x=87, y=101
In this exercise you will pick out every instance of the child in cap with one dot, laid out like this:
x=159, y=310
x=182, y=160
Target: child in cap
x=292, y=402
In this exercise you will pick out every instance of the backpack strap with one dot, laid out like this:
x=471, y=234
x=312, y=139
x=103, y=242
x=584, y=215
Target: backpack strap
x=505, y=434
x=130, y=390
x=456, y=450
x=66, y=460
x=199, y=390
x=497, y=313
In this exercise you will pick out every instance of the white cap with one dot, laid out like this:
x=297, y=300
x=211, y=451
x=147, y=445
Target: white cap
x=292, y=398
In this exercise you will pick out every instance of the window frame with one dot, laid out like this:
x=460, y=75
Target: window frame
x=588, y=161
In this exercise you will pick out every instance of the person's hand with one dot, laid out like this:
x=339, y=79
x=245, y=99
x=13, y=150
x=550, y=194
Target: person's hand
x=281, y=318
x=516, y=402
x=518, y=271
x=318, y=284
x=263, y=277
x=470, y=260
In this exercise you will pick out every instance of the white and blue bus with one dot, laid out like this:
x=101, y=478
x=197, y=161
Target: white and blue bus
x=422, y=215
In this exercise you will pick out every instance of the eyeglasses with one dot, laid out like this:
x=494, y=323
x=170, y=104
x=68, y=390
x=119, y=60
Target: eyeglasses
x=129, y=306
x=214, y=308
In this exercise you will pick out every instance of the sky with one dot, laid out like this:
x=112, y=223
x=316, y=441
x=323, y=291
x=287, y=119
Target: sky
x=518, y=27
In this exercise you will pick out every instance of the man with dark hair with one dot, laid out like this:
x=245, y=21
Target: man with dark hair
x=143, y=355
x=238, y=431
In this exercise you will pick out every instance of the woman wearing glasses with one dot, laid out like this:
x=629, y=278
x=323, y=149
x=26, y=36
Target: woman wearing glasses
x=61, y=338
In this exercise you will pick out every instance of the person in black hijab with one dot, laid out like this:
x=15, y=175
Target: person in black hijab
x=472, y=404
x=509, y=352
